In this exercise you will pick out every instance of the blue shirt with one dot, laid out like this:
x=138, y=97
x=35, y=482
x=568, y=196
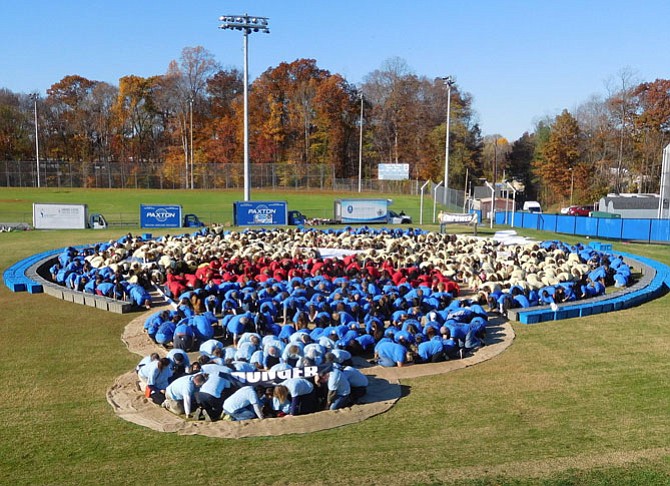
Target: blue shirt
x=393, y=351
x=338, y=382
x=355, y=377
x=165, y=332
x=428, y=349
x=145, y=361
x=159, y=379
x=298, y=386
x=209, y=346
x=182, y=389
x=215, y=385
x=242, y=398
x=173, y=352
x=203, y=327
x=153, y=322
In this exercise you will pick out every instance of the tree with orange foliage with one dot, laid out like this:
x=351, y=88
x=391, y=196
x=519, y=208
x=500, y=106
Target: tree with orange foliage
x=558, y=156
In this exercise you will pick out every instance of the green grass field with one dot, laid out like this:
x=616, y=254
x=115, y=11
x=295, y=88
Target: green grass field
x=581, y=401
x=211, y=206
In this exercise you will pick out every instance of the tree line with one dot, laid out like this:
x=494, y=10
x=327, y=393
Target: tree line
x=300, y=113
x=610, y=143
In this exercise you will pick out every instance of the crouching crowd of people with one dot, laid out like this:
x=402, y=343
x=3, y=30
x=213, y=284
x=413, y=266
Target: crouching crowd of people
x=120, y=278
x=554, y=272
x=211, y=391
x=253, y=341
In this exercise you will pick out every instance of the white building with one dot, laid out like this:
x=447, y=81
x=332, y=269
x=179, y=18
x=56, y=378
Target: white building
x=643, y=206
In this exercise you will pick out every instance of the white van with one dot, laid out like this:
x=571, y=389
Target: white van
x=532, y=207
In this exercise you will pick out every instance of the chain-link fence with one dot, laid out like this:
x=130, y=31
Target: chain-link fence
x=454, y=201
x=267, y=177
x=205, y=176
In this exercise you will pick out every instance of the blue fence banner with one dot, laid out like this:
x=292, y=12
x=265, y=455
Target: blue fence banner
x=635, y=229
x=160, y=216
x=260, y=213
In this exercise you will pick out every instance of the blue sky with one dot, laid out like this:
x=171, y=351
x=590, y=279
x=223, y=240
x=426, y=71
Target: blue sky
x=521, y=60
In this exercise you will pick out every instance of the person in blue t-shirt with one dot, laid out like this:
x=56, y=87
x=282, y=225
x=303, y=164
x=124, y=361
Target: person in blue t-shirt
x=213, y=393
x=339, y=389
x=295, y=396
x=154, y=321
x=389, y=353
x=184, y=336
x=180, y=363
x=180, y=394
x=357, y=381
x=245, y=404
x=431, y=351
x=156, y=376
x=165, y=332
x=139, y=296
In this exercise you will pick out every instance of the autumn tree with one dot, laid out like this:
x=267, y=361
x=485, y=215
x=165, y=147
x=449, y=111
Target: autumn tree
x=336, y=117
x=300, y=113
x=652, y=130
x=622, y=111
x=600, y=143
x=558, y=157
x=184, y=97
x=408, y=119
x=16, y=126
x=136, y=116
x=222, y=129
x=519, y=161
x=392, y=93
x=494, y=157
x=68, y=120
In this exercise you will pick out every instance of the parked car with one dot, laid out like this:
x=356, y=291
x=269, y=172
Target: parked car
x=402, y=218
x=296, y=218
x=532, y=207
x=580, y=210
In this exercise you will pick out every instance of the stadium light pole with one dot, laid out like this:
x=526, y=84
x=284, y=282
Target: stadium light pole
x=360, y=147
x=190, y=107
x=247, y=24
x=35, y=97
x=449, y=82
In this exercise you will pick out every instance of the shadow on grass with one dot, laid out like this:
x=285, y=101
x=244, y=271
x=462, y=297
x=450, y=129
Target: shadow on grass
x=494, y=330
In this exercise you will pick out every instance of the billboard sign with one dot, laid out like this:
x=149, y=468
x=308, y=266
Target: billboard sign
x=260, y=213
x=59, y=216
x=393, y=172
x=362, y=211
x=160, y=216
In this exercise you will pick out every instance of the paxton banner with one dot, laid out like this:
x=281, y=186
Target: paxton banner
x=160, y=216
x=259, y=213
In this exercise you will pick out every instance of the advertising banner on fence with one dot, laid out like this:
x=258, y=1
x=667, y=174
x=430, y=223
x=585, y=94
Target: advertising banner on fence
x=393, y=172
x=260, y=213
x=160, y=216
x=59, y=216
x=363, y=211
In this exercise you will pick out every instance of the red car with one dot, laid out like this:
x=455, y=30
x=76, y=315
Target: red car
x=579, y=210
